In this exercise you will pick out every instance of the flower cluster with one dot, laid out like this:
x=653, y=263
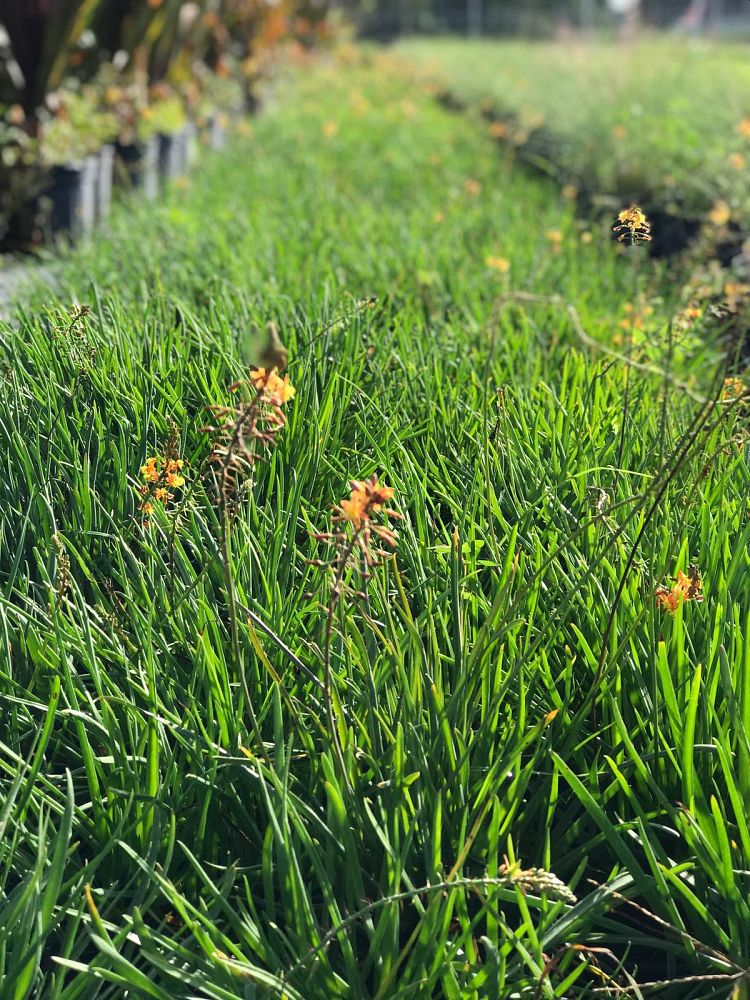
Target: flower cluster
x=632, y=226
x=275, y=390
x=732, y=389
x=160, y=475
x=242, y=430
x=355, y=528
x=687, y=587
x=367, y=497
x=687, y=318
x=735, y=295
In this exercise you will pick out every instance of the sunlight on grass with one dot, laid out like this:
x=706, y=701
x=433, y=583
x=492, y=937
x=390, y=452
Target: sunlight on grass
x=276, y=742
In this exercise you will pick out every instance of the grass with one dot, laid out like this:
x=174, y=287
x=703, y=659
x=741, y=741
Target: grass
x=663, y=119
x=515, y=718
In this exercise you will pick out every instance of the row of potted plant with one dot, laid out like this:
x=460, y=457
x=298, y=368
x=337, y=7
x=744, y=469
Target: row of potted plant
x=95, y=93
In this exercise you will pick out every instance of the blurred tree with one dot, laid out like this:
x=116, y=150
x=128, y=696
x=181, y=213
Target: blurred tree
x=385, y=18
x=40, y=33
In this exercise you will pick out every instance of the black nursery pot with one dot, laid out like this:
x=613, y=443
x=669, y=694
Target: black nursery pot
x=190, y=145
x=141, y=165
x=104, y=179
x=217, y=133
x=171, y=156
x=72, y=196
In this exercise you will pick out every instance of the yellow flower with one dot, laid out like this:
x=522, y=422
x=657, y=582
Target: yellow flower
x=569, y=191
x=736, y=161
x=554, y=237
x=330, y=129
x=743, y=128
x=438, y=217
x=501, y=264
x=619, y=131
x=149, y=471
x=472, y=187
x=499, y=130
x=159, y=473
x=733, y=387
x=633, y=226
x=586, y=237
x=720, y=213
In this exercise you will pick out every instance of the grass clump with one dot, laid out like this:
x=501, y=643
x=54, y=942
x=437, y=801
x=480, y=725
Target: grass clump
x=443, y=763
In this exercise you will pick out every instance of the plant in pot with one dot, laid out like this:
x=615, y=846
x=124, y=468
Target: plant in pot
x=136, y=146
x=222, y=98
x=40, y=34
x=141, y=37
x=78, y=110
x=21, y=180
x=164, y=118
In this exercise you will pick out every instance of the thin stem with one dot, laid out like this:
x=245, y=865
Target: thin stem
x=327, y=674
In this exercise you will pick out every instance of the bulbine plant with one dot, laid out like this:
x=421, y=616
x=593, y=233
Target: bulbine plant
x=244, y=430
x=162, y=474
x=242, y=434
x=357, y=540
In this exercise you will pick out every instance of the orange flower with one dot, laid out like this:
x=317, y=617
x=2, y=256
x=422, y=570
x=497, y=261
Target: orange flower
x=733, y=388
x=743, y=128
x=686, y=317
x=720, y=214
x=275, y=389
x=149, y=471
x=367, y=497
x=330, y=129
x=501, y=264
x=619, y=131
x=472, y=187
x=499, y=130
x=159, y=473
x=735, y=293
x=736, y=161
x=687, y=587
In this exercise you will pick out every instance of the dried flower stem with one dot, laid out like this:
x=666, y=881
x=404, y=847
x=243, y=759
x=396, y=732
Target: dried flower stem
x=354, y=533
x=240, y=431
